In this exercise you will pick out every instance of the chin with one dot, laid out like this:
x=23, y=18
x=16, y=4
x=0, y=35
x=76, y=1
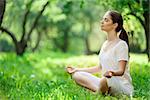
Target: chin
x=102, y=29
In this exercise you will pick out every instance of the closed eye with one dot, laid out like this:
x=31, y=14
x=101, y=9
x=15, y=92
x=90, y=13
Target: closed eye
x=106, y=19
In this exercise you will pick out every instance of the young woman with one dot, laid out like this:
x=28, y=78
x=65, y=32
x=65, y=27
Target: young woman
x=113, y=57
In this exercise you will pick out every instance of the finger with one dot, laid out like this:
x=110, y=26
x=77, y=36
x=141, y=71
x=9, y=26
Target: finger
x=71, y=70
x=68, y=70
x=110, y=74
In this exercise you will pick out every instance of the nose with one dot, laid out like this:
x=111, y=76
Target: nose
x=101, y=22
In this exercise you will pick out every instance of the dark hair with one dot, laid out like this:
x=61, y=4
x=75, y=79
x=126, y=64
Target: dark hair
x=117, y=18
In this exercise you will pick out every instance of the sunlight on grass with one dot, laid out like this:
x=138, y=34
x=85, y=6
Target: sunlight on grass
x=138, y=58
x=44, y=77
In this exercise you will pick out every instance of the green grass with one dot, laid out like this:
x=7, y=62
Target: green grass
x=42, y=76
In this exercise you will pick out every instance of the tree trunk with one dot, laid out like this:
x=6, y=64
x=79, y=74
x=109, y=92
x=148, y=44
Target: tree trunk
x=21, y=47
x=2, y=10
x=66, y=39
x=147, y=33
x=87, y=45
x=146, y=16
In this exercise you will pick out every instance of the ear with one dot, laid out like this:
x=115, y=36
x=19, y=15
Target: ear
x=115, y=25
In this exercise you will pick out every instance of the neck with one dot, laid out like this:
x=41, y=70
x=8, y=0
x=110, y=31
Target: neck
x=112, y=35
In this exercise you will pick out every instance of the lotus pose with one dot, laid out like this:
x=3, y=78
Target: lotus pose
x=113, y=61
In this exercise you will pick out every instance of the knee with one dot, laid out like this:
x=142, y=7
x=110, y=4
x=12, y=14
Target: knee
x=76, y=76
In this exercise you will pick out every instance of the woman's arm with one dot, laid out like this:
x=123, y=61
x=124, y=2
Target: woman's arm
x=94, y=69
x=122, y=66
x=120, y=72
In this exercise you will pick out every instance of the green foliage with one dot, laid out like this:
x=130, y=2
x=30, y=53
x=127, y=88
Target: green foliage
x=42, y=76
x=68, y=21
x=5, y=46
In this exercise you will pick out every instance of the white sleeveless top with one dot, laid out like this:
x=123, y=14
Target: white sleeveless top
x=110, y=55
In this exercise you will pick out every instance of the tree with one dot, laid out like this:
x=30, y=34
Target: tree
x=22, y=44
x=64, y=27
x=144, y=19
x=90, y=14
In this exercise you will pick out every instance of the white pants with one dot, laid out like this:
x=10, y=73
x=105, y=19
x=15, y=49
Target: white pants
x=95, y=80
x=117, y=86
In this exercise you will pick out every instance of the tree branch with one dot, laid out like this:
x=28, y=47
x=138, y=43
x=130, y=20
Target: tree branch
x=2, y=10
x=130, y=7
x=28, y=6
x=133, y=14
x=9, y=33
x=140, y=19
x=36, y=20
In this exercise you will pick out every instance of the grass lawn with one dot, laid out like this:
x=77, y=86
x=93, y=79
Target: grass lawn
x=42, y=76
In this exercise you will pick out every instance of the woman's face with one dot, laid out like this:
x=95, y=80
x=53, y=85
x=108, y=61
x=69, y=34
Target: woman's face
x=107, y=23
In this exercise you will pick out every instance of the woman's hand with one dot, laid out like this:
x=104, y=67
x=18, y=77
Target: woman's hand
x=108, y=74
x=71, y=69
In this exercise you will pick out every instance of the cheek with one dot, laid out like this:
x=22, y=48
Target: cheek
x=107, y=26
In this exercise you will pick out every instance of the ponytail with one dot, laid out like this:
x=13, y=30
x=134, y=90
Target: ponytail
x=117, y=18
x=123, y=35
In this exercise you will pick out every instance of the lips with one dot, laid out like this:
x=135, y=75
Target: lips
x=102, y=25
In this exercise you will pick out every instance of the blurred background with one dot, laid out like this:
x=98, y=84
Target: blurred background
x=69, y=25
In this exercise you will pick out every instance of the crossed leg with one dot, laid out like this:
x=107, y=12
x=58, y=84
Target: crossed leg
x=90, y=81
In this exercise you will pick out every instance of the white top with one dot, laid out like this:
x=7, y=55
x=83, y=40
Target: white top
x=110, y=55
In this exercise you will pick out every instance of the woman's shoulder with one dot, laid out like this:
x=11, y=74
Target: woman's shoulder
x=122, y=43
x=104, y=43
